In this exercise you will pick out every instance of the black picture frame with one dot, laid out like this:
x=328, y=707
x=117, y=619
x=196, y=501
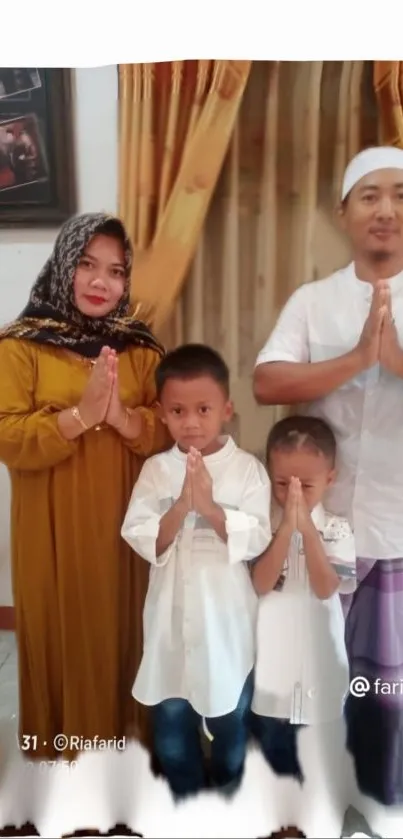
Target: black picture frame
x=37, y=173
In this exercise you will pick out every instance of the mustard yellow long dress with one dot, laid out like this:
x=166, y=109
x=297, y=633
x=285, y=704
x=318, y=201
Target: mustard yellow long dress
x=78, y=588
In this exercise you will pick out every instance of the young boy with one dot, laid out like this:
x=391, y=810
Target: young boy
x=198, y=514
x=301, y=673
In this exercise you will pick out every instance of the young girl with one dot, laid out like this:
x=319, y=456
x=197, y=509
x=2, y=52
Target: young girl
x=302, y=669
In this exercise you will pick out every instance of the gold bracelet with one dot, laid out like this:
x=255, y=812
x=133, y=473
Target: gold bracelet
x=78, y=417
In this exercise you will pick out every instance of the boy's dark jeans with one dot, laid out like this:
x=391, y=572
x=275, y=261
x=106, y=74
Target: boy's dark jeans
x=177, y=744
x=278, y=740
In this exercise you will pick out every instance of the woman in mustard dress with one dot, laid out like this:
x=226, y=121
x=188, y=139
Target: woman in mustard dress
x=77, y=416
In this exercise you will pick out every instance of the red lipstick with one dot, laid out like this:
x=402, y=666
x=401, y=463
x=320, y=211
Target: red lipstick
x=96, y=301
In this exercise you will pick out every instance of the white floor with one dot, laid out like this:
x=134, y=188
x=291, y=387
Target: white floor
x=104, y=789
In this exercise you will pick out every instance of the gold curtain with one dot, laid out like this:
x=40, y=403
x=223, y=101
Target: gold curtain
x=388, y=85
x=176, y=121
x=271, y=224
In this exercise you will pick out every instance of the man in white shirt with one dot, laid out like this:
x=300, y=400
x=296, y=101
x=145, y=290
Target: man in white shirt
x=336, y=348
x=198, y=514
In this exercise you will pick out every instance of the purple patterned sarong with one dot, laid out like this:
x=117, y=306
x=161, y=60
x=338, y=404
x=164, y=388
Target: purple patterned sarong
x=374, y=639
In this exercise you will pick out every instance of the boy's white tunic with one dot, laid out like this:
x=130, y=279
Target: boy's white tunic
x=200, y=610
x=302, y=672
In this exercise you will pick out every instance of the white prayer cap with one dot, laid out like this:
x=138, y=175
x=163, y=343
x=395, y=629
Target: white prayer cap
x=370, y=160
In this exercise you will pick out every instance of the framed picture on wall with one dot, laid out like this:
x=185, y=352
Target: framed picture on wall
x=37, y=180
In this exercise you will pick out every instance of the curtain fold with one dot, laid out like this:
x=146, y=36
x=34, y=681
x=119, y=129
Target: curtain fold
x=271, y=224
x=388, y=85
x=176, y=122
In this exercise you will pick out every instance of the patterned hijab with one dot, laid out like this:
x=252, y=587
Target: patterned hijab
x=51, y=316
